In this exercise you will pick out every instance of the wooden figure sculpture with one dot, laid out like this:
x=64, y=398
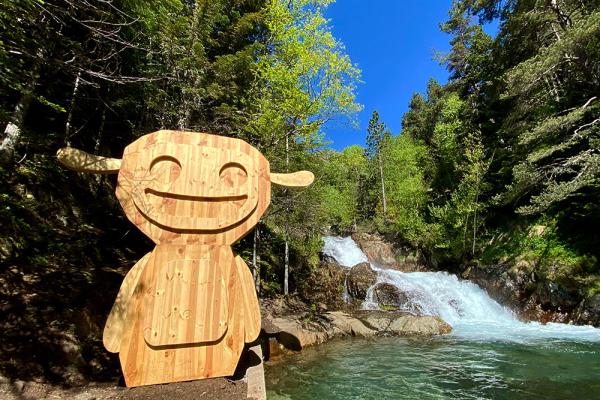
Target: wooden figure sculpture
x=185, y=310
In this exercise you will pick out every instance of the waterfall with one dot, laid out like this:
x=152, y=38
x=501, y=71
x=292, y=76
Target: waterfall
x=344, y=250
x=463, y=304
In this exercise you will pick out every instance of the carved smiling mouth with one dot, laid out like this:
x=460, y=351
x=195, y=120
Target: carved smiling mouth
x=219, y=211
x=211, y=199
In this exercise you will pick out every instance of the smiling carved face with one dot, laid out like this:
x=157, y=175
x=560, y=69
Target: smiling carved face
x=187, y=187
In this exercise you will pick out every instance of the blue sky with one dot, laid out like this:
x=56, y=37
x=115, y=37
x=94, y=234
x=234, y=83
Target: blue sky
x=393, y=43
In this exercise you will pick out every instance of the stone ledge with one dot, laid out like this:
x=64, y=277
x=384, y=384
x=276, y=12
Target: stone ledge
x=293, y=334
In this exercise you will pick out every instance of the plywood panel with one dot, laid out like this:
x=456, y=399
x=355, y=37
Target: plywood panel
x=185, y=310
x=116, y=322
x=185, y=187
x=252, y=321
x=186, y=297
x=144, y=364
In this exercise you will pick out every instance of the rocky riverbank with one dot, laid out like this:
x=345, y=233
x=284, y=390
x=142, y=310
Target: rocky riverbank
x=290, y=325
x=535, y=298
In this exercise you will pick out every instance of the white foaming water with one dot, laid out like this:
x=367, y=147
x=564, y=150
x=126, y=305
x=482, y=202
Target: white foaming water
x=464, y=305
x=344, y=250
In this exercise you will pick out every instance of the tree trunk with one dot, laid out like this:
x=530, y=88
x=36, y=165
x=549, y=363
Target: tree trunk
x=99, y=177
x=100, y=130
x=255, y=259
x=475, y=216
x=12, y=132
x=71, y=108
x=286, y=271
x=384, y=202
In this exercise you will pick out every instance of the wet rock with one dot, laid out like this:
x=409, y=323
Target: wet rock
x=400, y=324
x=325, y=285
x=389, y=296
x=533, y=297
x=376, y=249
x=588, y=312
x=555, y=296
x=407, y=325
x=385, y=255
x=508, y=285
x=360, y=278
x=377, y=320
x=346, y=324
x=410, y=263
x=295, y=334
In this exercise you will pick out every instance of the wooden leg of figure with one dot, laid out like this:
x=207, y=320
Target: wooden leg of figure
x=252, y=322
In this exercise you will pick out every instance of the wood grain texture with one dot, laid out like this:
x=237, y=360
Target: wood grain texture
x=186, y=187
x=116, y=322
x=144, y=364
x=186, y=297
x=251, y=308
x=295, y=179
x=185, y=310
x=194, y=195
x=81, y=161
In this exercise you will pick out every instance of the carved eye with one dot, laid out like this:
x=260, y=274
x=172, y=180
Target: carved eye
x=233, y=174
x=166, y=167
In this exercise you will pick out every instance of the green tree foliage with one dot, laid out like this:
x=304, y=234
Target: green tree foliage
x=406, y=188
x=529, y=105
x=377, y=139
x=99, y=74
x=306, y=80
x=555, y=92
x=344, y=177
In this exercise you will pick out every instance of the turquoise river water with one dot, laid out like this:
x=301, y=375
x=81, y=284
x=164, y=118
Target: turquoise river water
x=490, y=354
x=438, y=368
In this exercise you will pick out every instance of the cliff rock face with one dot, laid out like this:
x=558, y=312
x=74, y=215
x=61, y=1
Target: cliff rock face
x=385, y=255
x=376, y=249
x=588, y=312
x=535, y=298
x=325, y=285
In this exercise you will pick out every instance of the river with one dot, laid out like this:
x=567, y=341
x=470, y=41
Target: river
x=489, y=355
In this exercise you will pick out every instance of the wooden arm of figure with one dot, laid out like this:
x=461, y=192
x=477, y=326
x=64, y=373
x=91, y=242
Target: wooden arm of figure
x=79, y=160
x=252, y=320
x=117, y=319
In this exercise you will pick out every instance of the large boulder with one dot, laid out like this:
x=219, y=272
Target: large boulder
x=408, y=325
x=385, y=255
x=376, y=249
x=527, y=289
x=291, y=333
x=588, y=312
x=390, y=298
x=400, y=324
x=345, y=324
x=294, y=335
x=360, y=278
x=325, y=285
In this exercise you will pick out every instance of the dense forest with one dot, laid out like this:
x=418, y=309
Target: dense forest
x=500, y=165
x=96, y=75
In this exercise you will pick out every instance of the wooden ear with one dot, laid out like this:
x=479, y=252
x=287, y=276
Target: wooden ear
x=294, y=179
x=81, y=161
